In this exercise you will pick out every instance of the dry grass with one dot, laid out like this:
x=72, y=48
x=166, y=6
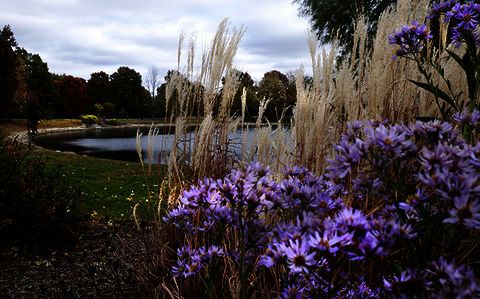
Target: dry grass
x=370, y=85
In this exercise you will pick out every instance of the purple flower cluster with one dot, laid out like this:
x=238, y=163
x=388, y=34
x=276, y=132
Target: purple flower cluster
x=193, y=260
x=446, y=163
x=243, y=201
x=441, y=8
x=417, y=175
x=470, y=119
x=456, y=281
x=311, y=243
x=465, y=16
x=410, y=39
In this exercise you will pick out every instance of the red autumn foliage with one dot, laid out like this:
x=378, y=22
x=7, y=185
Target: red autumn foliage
x=72, y=97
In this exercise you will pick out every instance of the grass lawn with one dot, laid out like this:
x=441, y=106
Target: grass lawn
x=107, y=187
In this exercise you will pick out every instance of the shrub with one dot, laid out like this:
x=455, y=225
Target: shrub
x=89, y=119
x=98, y=109
x=38, y=208
x=109, y=109
x=113, y=122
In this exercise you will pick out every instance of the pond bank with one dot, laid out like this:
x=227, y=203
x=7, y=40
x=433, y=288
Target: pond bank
x=23, y=137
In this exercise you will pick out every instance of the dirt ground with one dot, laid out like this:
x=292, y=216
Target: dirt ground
x=15, y=126
x=8, y=128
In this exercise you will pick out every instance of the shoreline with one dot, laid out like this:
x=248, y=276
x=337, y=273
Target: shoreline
x=23, y=137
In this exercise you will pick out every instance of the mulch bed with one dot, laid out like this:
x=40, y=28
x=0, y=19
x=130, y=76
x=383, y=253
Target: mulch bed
x=93, y=270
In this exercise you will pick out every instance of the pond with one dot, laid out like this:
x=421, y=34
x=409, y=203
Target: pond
x=113, y=143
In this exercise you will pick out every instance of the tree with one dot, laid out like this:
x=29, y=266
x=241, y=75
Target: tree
x=191, y=104
x=331, y=17
x=252, y=102
x=275, y=87
x=152, y=81
x=72, y=97
x=39, y=89
x=128, y=91
x=9, y=81
x=100, y=89
x=39, y=82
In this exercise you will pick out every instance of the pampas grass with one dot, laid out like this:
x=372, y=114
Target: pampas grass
x=369, y=85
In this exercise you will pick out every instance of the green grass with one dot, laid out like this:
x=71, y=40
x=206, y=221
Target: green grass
x=107, y=187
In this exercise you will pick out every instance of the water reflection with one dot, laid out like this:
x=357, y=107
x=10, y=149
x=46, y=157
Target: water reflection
x=119, y=143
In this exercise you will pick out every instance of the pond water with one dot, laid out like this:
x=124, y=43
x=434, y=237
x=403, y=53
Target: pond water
x=113, y=143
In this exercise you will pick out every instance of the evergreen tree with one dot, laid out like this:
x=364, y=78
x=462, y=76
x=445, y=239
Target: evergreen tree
x=9, y=81
x=129, y=95
x=275, y=87
x=331, y=17
x=39, y=82
x=99, y=88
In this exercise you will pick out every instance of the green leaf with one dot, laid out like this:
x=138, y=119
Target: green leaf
x=470, y=41
x=436, y=91
x=469, y=68
x=456, y=57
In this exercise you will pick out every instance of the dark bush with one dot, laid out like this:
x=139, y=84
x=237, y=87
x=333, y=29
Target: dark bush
x=38, y=208
x=113, y=122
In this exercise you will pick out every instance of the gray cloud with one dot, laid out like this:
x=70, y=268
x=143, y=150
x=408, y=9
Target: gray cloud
x=79, y=37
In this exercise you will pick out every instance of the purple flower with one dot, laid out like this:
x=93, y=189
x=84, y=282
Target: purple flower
x=396, y=38
x=465, y=212
x=271, y=256
x=465, y=117
x=365, y=246
x=207, y=225
x=433, y=131
x=422, y=33
x=328, y=242
x=453, y=12
x=467, y=17
x=413, y=200
x=352, y=221
x=179, y=269
x=295, y=171
x=440, y=8
x=297, y=256
x=291, y=292
x=410, y=39
x=203, y=256
x=396, y=283
x=385, y=240
x=403, y=230
x=455, y=188
x=357, y=291
x=309, y=222
x=435, y=165
x=192, y=268
x=457, y=281
x=186, y=265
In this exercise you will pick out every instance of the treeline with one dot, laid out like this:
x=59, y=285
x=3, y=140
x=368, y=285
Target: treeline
x=29, y=90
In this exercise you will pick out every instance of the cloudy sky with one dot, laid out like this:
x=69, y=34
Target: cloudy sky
x=79, y=37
